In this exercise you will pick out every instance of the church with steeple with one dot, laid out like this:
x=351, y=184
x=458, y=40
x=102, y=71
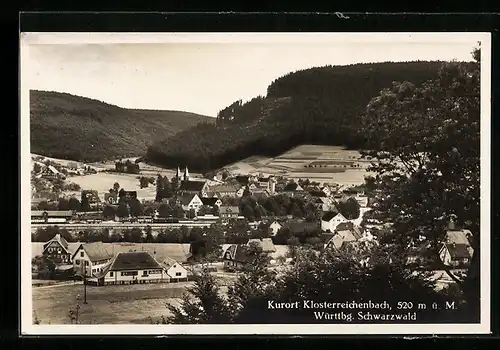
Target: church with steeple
x=189, y=186
x=182, y=177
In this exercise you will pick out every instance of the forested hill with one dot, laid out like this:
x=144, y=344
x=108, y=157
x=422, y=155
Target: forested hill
x=78, y=128
x=317, y=106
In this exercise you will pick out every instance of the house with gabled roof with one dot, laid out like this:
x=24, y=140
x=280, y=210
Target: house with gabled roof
x=90, y=258
x=211, y=202
x=237, y=256
x=456, y=250
x=50, y=172
x=331, y=220
x=130, y=268
x=455, y=255
x=274, y=227
x=356, y=230
x=190, y=201
x=292, y=188
x=57, y=250
x=175, y=271
x=340, y=239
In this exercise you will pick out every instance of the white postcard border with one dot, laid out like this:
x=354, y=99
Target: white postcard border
x=27, y=326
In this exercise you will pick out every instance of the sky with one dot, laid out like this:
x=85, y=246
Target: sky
x=202, y=77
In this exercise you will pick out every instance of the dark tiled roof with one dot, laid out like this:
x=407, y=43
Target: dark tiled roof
x=325, y=237
x=242, y=179
x=59, y=239
x=239, y=253
x=458, y=251
x=292, y=186
x=315, y=193
x=186, y=199
x=300, y=227
x=209, y=201
x=329, y=215
x=194, y=186
x=134, y=261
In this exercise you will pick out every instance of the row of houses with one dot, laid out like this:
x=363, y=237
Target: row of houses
x=94, y=262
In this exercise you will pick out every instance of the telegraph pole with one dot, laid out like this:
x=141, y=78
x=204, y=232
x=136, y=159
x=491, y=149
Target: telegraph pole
x=85, y=285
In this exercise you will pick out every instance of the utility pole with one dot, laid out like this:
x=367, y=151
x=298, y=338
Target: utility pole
x=85, y=284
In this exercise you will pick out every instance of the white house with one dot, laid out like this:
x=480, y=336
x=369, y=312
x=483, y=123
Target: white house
x=174, y=270
x=331, y=220
x=90, y=258
x=326, y=191
x=274, y=227
x=191, y=201
x=131, y=268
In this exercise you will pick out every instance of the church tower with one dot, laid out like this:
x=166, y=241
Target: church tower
x=186, y=174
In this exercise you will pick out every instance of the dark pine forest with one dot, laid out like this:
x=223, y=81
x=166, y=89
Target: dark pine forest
x=323, y=105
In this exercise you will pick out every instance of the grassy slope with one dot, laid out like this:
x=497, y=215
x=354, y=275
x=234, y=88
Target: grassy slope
x=73, y=127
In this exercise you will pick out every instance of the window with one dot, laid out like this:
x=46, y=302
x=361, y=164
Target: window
x=77, y=262
x=86, y=263
x=111, y=274
x=178, y=274
x=82, y=254
x=130, y=273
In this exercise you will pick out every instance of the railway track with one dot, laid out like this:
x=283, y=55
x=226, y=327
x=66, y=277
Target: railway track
x=118, y=225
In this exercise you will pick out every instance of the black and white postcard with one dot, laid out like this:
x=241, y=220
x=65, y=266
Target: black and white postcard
x=255, y=183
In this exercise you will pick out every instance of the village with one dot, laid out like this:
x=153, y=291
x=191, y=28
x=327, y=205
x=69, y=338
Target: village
x=196, y=220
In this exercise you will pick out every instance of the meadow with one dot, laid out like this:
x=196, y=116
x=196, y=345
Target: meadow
x=120, y=304
x=324, y=164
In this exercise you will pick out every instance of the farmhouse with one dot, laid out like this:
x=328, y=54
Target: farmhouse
x=190, y=201
x=174, y=270
x=56, y=250
x=331, y=220
x=229, y=212
x=131, y=268
x=90, y=258
x=237, y=257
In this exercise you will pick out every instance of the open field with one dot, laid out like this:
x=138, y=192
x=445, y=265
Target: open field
x=106, y=305
x=333, y=165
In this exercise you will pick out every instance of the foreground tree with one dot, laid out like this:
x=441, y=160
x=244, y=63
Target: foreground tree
x=202, y=303
x=426, y=147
